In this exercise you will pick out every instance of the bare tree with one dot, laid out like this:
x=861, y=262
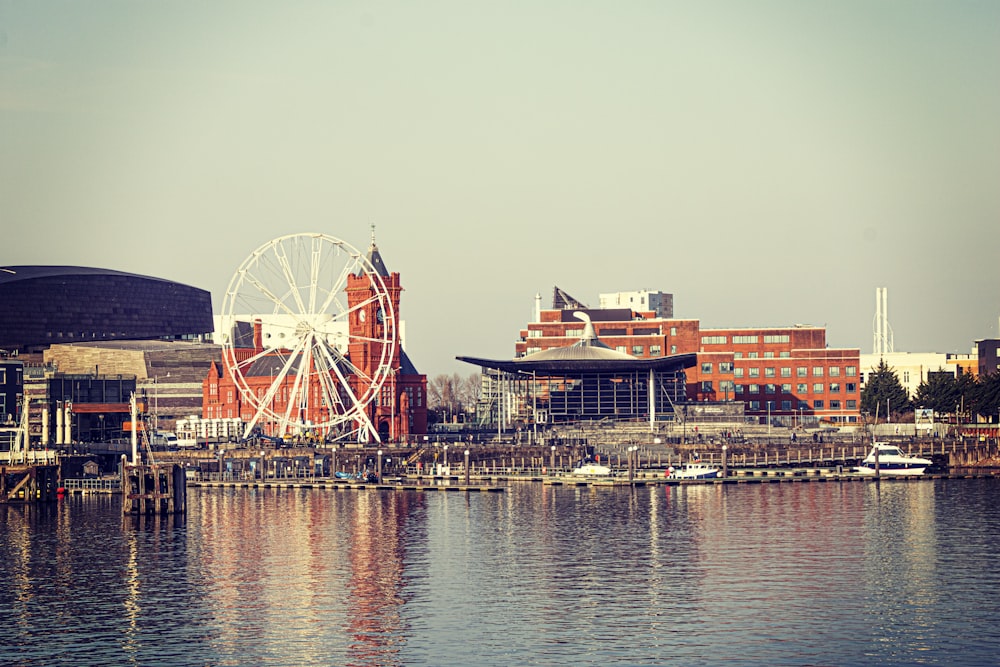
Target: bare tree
x=450, y=395
x=468, y=391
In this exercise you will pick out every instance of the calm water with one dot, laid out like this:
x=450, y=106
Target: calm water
x=793, y=574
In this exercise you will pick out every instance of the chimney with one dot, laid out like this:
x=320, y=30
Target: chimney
x=258, y=336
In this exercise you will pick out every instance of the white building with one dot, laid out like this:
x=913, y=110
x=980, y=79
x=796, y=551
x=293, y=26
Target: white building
x=912, y=367
x=281, y=331
x=644, y=300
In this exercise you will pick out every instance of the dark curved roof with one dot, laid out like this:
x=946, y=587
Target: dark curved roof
x=13, y=274
x=44, y=305
x=588, y=354
x=570, y=366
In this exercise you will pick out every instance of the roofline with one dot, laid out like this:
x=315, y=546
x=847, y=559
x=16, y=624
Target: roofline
x=562, y=366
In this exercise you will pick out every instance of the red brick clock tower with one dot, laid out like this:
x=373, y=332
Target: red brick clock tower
x=400, y=409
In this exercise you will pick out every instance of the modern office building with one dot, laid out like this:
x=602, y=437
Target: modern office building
x=584, y=381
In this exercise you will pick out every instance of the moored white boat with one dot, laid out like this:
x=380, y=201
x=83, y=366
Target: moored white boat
x=892, y=461
x=592, y=470
x=696, y=470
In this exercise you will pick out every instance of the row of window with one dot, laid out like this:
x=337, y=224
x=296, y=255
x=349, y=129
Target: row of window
x=768, y=354
x=728, y=386
x=745, y=340
x=785, y=371
x=802, y=388
x=576, y=333
x=786, y=406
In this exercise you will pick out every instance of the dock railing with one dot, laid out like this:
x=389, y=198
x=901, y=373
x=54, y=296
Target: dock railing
x=93, y=485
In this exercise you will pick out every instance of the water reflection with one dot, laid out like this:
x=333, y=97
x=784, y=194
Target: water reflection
x=818, y=573
x=319, y=560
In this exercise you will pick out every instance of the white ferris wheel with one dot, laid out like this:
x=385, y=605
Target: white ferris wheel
x=288, y=319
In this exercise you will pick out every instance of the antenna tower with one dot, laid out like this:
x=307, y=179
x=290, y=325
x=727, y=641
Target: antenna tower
x=882, y=339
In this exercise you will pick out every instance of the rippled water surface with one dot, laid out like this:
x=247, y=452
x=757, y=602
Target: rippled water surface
x=774, y=574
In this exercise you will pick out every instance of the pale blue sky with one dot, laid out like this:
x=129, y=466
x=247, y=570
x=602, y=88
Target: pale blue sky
x=768, y=163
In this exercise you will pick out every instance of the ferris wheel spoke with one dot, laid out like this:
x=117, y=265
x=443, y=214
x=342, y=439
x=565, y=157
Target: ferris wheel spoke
x=250, y=361
x=293, y=396
x=370, y=339
x=307, y=372
x=315, y=263
x=331, y=299
x=329, y=387
x=357, y=372
x=359, y=306
x=332, y=361
x=293, y=285
x=278, y=381
x=266, y=291
x=358, y=405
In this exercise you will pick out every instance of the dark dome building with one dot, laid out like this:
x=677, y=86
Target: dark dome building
x=44, y=305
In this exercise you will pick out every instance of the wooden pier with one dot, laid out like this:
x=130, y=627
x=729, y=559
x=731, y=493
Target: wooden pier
x=29, y=483
x=422, y=485
x=763, y=477
x=153, y=489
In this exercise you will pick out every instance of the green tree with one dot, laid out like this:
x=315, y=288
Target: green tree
x=940, y=392
x=988, y=396
x=969, y=393
x=884, y=388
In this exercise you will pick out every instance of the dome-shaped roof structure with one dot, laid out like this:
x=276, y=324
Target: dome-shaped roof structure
x=586, y=354
x=588, y=348
x=43, y=305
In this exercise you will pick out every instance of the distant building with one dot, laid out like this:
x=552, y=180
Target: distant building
x=988, y=356
x=11, y=391
x=785, y=373
x=56, y=320
x=168, y=374
x=658, y=303
x=585, y=380
x=914, y=368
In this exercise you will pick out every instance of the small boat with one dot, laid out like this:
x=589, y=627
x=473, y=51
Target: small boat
x=592, y=470
x=893, y=461
x=695, y=470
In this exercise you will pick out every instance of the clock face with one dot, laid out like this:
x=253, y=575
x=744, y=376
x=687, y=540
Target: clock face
x=361, y=316
x=379, y=315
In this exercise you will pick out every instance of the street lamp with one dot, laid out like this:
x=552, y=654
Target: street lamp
x=466, y=467
x=379, y=467
x=534, y=408
x=725, y=463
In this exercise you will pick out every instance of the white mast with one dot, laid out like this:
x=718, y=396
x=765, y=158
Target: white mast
x=135, y=428
x=882, y=338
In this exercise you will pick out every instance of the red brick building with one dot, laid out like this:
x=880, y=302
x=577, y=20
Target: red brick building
x=787, y=373
x=398, y=411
